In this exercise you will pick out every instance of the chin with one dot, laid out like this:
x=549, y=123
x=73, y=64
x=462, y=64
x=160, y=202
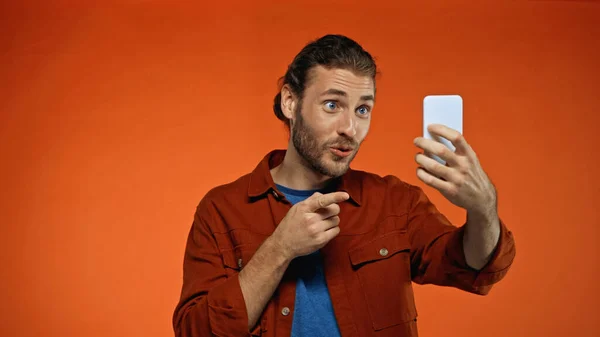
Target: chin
x=336, y=169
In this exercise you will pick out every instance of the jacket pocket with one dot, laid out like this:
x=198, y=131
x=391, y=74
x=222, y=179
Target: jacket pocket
x=382, y=266
x=235, y=259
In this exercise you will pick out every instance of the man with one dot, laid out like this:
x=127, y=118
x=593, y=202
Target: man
x=306, y=246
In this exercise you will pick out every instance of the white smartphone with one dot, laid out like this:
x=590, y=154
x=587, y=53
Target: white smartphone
x=446, y=110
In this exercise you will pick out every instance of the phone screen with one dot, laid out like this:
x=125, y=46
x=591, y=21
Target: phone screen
x=446, y=110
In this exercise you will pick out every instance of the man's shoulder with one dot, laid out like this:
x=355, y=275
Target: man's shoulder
x=232, y=189
x=386, y=182
x=389, y=191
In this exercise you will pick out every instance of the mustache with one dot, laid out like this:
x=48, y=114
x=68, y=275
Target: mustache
x=346, y=142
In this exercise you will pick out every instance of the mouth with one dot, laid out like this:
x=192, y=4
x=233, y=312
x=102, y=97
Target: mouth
x=342, y=150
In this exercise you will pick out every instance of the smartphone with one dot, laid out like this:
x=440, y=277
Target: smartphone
x=446, y=110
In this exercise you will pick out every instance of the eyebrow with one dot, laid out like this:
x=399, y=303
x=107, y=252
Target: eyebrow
x=342, y=93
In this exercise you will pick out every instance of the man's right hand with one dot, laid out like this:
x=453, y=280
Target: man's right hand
x=310, y=224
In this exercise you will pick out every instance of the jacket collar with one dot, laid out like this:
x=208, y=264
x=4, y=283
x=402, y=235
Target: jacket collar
x=261, y=181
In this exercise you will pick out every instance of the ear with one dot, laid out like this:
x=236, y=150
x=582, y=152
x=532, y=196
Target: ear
x=288, y=102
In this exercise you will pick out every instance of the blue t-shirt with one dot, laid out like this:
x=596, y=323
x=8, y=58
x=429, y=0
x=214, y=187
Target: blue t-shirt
x=313, y=311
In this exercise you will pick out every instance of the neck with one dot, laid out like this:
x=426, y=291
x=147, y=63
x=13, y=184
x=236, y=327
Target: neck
x=295, y=173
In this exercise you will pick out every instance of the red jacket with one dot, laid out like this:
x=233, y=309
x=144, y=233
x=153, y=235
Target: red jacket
x=390, y=235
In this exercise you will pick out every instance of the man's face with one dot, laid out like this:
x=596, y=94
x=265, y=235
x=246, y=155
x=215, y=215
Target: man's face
x=333, y=119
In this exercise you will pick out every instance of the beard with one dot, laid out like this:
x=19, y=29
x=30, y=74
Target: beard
x=316, y=155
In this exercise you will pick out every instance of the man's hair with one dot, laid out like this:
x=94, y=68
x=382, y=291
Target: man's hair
x=329, y=51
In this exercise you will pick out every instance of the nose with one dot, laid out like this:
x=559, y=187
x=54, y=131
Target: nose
x=347, y=125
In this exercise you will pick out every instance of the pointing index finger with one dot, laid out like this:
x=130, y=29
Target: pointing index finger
x=323, y=200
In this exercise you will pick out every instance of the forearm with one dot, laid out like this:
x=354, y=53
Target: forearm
x=482, y=233
x=260, y=277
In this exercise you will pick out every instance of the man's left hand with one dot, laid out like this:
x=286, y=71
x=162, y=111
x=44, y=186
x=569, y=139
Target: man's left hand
x=462, y=180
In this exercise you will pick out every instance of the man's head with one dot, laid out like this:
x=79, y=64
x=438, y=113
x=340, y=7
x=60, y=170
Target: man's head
x=326, y=99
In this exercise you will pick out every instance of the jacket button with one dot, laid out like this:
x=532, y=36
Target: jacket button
x=383, y=252
x=275, y=194
x=285, y=311
x=240, y=263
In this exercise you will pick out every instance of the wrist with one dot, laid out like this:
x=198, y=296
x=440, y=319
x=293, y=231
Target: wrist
x=482, y=218
x=278, y=251
x=485, y=211
x=482, y=214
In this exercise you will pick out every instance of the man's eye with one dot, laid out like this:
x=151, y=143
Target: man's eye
x=363, y=110
x=331, y=105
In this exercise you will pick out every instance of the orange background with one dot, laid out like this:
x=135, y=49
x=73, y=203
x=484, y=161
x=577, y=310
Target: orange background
x=116, y=119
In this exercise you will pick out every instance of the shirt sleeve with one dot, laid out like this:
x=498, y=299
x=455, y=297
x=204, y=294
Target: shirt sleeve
x=437, y=253
x=211, y=302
